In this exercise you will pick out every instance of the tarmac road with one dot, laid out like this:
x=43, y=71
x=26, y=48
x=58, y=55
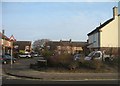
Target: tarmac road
x=23, y=65
x=27, y=81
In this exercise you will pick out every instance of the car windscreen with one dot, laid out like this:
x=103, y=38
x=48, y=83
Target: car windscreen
x=97, y=55
x=91, y=54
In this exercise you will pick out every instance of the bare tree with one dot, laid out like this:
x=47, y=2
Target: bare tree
x=39, y=44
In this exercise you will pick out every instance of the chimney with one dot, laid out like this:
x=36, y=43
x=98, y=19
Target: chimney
x=115, y=12
x=70, y=40
x=3, y=32
x=60, y=40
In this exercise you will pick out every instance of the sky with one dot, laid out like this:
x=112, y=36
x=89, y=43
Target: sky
x=54, y=20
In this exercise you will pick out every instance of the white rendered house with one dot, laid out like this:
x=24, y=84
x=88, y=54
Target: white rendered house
x=106, y=36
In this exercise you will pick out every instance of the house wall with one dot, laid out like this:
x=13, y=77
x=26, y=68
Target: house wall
x=119, y=36
x=109, y=34
x=22, y=46
x=68, y=49
x=5, y=46
x=5, y=43
x=119, y=31
x=94, y=40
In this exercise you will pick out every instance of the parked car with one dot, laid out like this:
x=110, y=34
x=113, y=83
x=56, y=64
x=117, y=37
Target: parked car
x=35, y=54
x=76, y=56
x=5, y=59
x=25, y=55
x=99, y=55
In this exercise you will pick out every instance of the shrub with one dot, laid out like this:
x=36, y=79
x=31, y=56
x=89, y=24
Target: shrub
x=22, y=51
x=114, y=62
x=65, y=59
x=73, y=65
x=94, y=64
x=47, y=53
x=52, y=61
x=62, y=60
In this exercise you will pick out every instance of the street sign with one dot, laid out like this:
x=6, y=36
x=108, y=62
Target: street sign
x=12, y=38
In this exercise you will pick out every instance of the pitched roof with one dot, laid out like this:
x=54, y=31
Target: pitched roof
x=22, y=42
x=79, y=43
x=98, y=28
x=68, y=43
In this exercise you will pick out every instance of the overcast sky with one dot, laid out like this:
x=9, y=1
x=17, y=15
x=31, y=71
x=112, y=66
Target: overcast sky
x=54, y=20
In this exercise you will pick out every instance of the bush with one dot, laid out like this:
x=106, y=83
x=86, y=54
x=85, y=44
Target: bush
x=93, y=64
x=52, y=61
x=47, y=53
x=114, y=62
x=22, y=51
x=65, y=59
x=73, y=65
x=62, y=60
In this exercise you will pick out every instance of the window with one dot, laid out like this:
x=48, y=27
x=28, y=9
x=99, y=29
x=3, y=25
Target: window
x=97, y=55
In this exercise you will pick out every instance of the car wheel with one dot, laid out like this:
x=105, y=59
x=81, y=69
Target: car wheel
x=107, y=59
x=14, y=61
x=4, y=62
x=27, y=57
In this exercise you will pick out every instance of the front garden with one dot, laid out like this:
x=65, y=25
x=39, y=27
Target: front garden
x=65, y=63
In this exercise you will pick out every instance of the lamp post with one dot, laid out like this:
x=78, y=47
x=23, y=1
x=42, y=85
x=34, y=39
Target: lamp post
x=12, y=39
x=11, y=53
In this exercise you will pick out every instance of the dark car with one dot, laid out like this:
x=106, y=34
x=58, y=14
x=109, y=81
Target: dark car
x=5, y=59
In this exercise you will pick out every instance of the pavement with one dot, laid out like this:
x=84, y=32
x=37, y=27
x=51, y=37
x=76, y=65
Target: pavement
x=24, y=71
x=33, y=74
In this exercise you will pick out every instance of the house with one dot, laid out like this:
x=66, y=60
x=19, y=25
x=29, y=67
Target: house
x=22, y=46
x=68, y=47
x=5, y=44
x=105, y=36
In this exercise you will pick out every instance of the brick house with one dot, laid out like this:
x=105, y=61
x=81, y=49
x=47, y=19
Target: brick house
x=69, y=47
x=5, y=44
x=22, y=46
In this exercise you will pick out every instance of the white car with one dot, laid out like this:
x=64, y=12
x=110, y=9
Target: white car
x=99, y=55
x=25, y=55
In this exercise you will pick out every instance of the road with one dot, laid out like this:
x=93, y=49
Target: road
x=27, y=81
x=23, y=64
